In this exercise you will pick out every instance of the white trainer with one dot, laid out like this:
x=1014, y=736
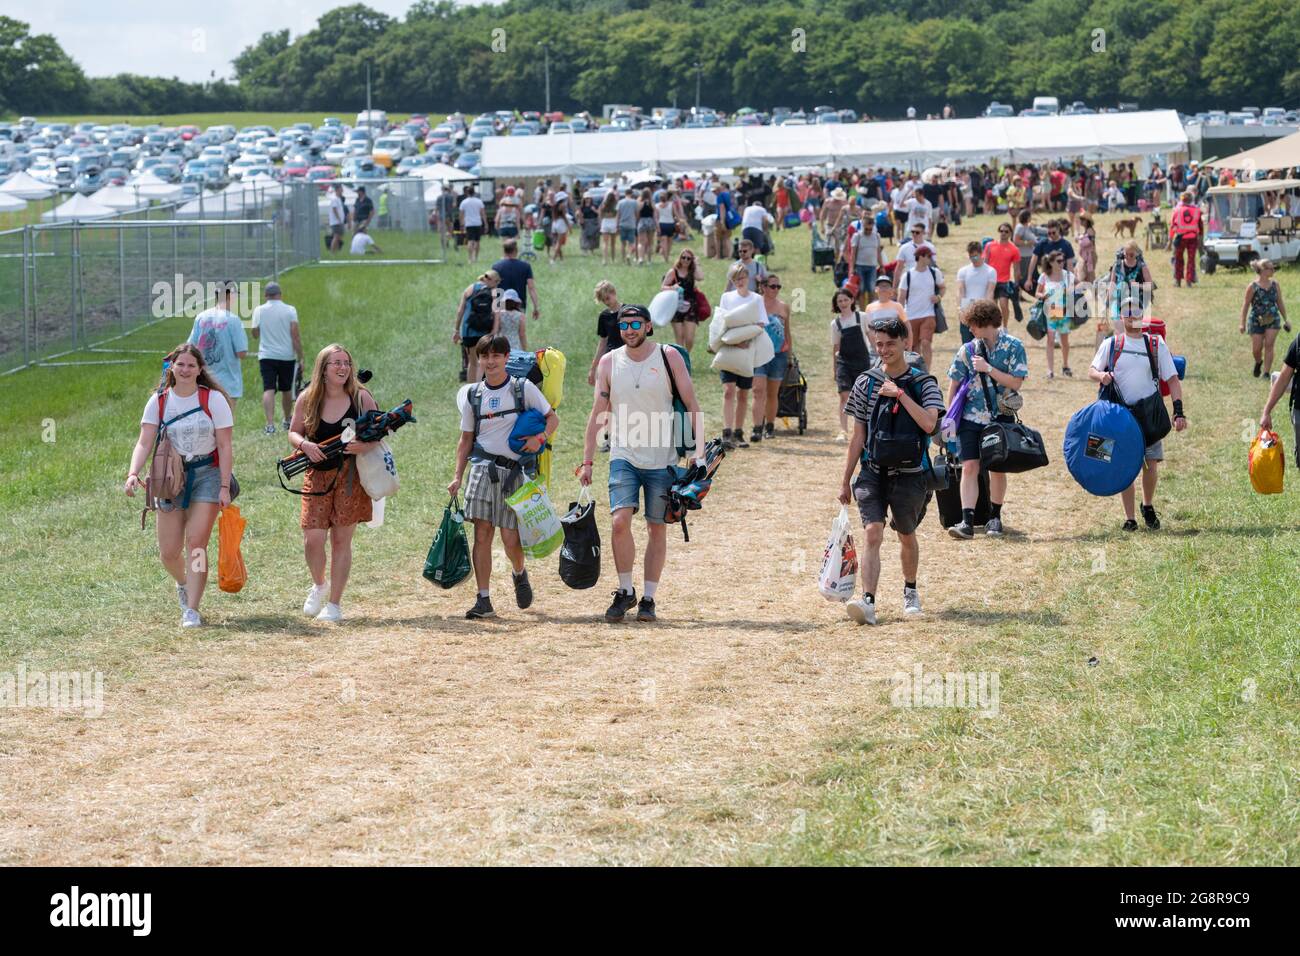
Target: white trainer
x=315, y=599
x=182, y=597
x=911, y=601
x=191, y=618
x=861, y=611
x=331, y=613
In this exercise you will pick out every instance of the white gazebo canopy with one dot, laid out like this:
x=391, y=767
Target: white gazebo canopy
x=78, y=207
x=26, y=186
x=10, y=203
x=120, y=198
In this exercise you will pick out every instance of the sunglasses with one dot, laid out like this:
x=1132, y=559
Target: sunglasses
x=884, y=325
x=774, y=285
x=634, y=325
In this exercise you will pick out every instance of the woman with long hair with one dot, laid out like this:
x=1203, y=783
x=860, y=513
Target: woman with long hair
x=333, y=501
x=608, y=226
x=666, y=218
x=1267, y=313
x=685, y=273
x=645, y=228
x=851, y=350
x=194, y=413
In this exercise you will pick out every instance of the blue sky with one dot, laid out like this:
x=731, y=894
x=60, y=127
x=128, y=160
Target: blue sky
x=186, y=38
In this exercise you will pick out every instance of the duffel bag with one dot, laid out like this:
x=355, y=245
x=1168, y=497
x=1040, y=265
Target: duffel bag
x=1011, y=448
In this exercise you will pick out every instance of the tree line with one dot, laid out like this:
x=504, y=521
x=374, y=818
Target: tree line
x=874, y=56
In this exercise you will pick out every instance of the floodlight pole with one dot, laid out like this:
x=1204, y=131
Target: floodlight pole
x=699, y=69
x=370, y=146
x=546, y=68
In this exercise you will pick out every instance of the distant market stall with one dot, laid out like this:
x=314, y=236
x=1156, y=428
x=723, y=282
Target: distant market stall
x=907, y=143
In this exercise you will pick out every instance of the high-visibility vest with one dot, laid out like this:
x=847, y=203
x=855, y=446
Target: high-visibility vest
x=1185, y=221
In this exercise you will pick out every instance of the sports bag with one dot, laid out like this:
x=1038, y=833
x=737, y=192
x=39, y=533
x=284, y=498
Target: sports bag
x=447, y=563
x=1008, y=447
x=580, y=553
x=1150, y=412
x=1037, y=324
x=1103, y=448
x=1267, y=463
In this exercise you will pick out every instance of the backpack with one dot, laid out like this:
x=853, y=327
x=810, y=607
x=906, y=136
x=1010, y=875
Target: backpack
x=899, y=441
x=478, y=312
x=681, y=414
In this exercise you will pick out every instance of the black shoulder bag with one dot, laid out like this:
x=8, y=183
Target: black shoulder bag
x=1008, y=447
x=1150, y=412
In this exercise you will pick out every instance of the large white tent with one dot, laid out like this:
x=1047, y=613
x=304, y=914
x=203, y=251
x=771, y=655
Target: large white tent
x=26, y=186
x=148, y=186
x=909, y=142
x=120, y=198
x=10, y=203
x=441, y=172
x=78, y=207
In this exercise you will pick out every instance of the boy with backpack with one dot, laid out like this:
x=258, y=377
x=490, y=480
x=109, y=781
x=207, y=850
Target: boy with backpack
x=488, y=412
x=475, y=318
x=896, y=408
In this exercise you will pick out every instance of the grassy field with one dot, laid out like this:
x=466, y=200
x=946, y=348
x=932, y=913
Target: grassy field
x=752, y=725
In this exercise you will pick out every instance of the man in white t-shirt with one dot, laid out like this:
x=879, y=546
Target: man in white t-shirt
x=472, y=216
x=495, y=472
x=975, y=281
x=338, y=217
x=753, y=226
x=920, y=212
x=363, y=242
x=1129, y=367
x=279, y=353
x=907, y=250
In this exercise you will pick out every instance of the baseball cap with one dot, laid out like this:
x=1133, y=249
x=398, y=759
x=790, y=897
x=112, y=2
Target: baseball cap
x=271, y=288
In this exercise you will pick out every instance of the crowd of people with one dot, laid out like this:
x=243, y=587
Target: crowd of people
x=884, y=313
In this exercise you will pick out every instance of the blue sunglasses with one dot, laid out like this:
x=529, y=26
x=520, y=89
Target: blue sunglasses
x=635, y=325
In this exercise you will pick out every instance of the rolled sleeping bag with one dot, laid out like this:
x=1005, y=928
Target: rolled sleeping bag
x=764, y=350
x=736, y=359
x=663, y=307
x=717, y=325
x=747, y=313
x=1104, y=448
x=741, y=334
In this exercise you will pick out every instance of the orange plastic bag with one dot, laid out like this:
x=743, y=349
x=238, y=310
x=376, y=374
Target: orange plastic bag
x=231, y=573
x=1267, y=463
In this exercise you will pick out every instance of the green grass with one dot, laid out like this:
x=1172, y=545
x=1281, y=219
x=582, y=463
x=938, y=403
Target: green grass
x=1179, y=745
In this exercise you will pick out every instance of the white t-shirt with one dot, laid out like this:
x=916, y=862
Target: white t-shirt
x=915, y=289
x=272, y=321
x=754, y=217
x=471, y=211
x=976, y=282
x=360, y=243
x=707, y=194
x=1133, y=368
x=896, y=198
x=919, y=210
x=733, y=299
x=194, y=435
x=494, y=433
x=866, y=248
x=907, y=257
x=337, y=214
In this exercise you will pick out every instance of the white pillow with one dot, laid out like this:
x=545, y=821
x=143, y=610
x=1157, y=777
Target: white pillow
x=741, y=335
x=735, y=359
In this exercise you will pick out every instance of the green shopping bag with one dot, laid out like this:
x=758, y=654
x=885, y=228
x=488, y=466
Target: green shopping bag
x=540, y=531
x=448, y=561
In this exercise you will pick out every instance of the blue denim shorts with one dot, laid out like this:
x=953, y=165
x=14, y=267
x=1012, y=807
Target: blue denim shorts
x=774, y=369
x=626, y=234
x=626, y=482
x=205, y=486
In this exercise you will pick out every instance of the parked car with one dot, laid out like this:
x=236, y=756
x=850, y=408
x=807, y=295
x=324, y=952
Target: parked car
x=559, y=128
x=467, y=160
x=90, y=181
x=999, y=109
x=319, y=173
x=115, y=175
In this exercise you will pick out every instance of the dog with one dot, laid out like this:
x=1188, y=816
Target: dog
x=1129, y=224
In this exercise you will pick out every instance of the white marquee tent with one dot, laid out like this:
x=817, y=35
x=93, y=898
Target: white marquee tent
x=908, y=142
x=10, y=203
x=78, y=208
x=119, y=198
x=26, y=186
x=148, y=186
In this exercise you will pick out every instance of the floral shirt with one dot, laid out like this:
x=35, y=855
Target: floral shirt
x=1007, y=355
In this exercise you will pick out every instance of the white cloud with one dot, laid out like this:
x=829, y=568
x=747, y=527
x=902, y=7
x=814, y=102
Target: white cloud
x=159, y=38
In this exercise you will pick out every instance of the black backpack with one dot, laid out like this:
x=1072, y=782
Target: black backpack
x=895, y=440
x=479, y=308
